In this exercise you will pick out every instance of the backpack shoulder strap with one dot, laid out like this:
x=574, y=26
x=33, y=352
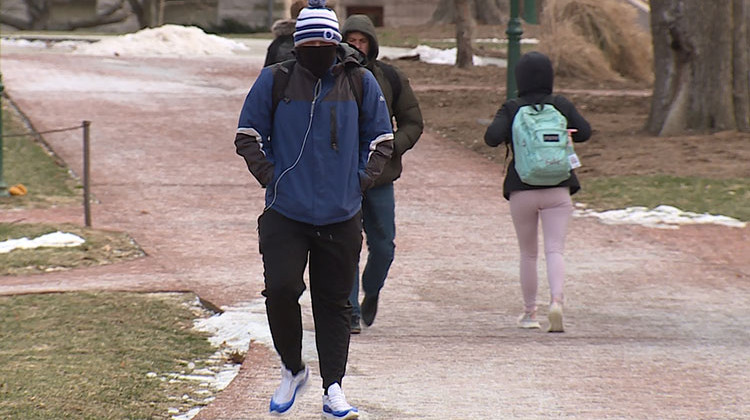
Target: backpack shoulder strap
x=281, y=74
x=354, y=76
x=390, y=73
x=513, y=106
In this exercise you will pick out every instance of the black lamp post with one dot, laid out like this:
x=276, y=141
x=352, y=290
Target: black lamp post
x=3, y=185
x=514, y=32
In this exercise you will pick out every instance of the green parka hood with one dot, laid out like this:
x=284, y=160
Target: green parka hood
x=362, y=23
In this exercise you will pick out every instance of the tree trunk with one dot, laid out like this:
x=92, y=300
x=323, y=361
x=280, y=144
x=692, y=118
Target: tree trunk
x=464, y=34
x=741, y=64
x=489, y=12
x=700, y=66
x=39, y=14
x=146, y=12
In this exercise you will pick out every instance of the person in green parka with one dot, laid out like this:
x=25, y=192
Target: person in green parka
x=378, y=203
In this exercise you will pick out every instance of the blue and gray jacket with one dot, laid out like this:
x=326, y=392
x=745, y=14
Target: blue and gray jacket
x=318, y=151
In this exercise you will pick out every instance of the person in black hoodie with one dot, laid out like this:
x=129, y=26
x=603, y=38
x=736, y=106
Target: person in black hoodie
x=379, y=202
x=282, y=45
x=529, y=203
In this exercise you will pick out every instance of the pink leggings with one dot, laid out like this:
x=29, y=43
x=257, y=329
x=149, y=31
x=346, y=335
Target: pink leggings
x=555, y=207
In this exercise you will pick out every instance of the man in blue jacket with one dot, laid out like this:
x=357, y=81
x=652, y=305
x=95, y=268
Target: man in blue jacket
x=315, y=154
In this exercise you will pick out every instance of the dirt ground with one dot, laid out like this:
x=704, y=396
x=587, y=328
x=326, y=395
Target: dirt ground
x=460, y=103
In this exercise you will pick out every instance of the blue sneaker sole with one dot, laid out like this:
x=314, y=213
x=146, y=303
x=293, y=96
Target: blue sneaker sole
x=284, y=409
x=347, y=415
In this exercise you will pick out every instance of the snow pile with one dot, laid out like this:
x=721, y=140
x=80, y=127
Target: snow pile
x=56, y=239
x=234, y=328
x=173, y=40
x=662, y=217
x=24, y=43
x=437, y=56
x=530, y=41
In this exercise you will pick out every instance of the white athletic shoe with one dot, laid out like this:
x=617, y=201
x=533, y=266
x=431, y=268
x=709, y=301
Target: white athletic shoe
x=555, y=318
x=527, y=320
x=291, y=386
x=335, y=405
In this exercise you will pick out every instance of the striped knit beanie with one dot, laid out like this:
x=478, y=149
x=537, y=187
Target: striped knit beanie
x=317, y=23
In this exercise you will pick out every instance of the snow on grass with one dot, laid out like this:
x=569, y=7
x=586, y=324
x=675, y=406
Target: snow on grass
x=51, y=240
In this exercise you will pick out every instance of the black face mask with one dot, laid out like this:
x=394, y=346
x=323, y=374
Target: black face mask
x=317, y=59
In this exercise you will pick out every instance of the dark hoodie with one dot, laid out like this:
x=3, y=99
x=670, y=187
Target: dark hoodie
x=534, y=74
x=282, y=45
x=405, y=110
x=535, y=80
x=362, y=23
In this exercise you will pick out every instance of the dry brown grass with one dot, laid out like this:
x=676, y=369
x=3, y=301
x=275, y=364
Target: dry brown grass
x=596, y=39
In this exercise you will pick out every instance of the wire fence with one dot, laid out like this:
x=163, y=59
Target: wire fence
x=85, y=125
x=39, y=133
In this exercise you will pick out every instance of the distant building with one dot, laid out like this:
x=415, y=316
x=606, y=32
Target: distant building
x=220, y=13
x=390, y=12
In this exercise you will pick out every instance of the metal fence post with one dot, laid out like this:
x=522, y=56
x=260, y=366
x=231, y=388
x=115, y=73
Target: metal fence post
x=3, y=185
x=86, y=175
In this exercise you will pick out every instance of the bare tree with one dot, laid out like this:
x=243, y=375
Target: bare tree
x=145, y=12
x=490, y=12
x=701, y=66
x=464, y=34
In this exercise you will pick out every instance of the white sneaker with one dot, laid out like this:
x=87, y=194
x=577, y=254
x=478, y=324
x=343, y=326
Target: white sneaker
x=555, y=318
x=335, y=405
x=291, y=385
x=527, y=320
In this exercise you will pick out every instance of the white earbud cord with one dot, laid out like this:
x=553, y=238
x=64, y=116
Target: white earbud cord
x=316, y=93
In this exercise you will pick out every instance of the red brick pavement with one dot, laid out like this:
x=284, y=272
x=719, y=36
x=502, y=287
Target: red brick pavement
x=656, y=321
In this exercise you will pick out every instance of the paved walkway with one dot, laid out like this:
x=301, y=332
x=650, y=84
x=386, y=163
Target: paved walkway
x=652, y=331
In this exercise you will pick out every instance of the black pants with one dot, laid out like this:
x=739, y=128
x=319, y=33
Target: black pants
x=333, y=252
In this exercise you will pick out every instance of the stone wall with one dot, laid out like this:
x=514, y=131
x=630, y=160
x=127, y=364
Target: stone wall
x=395, y=12
x=253, y=13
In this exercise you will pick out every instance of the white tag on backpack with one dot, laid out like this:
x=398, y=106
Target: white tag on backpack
x=572, y=156
x=574, y=161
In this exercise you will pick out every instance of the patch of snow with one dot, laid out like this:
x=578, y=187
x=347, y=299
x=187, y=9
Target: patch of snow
x=661, y=217
x=54, y=240
x=232, y=331
x=530, y=41
x=437, y=56
x=186, y=41
x=189, y=415
x=24, y=43
x=172, y=40
x=237, y=325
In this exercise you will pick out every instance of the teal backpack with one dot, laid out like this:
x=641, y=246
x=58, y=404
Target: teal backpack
x=541, y=148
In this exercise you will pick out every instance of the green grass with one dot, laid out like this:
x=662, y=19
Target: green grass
x=49, y=183
x=86, y=355
x=27, y=162
x=728, y=197
x=89, y=355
